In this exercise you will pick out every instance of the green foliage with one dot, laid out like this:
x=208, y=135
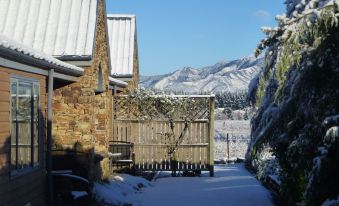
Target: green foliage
x=301, y=63
x=293, y=44
x=261, y=90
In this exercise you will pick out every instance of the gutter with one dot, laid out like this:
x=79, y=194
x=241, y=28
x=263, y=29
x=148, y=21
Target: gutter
x=116, y=82
x=74, y=58
x=122, y=75
x=49, y=138
x=121, y=16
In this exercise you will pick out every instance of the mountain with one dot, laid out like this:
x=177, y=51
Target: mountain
x=230, y=76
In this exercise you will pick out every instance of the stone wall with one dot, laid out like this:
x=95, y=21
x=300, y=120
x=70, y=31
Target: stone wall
x=79, y=114
x=103, y=102
x=134, y=84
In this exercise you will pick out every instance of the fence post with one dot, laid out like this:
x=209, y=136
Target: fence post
x=228, y=148
x=211, y=137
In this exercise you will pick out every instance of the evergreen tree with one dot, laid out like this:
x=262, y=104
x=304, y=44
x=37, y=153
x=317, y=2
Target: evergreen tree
x=297, y=96
x=228, y=113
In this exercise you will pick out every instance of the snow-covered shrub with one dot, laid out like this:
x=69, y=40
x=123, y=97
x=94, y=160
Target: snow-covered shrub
x=268, y=166
x=118, y=190
x=323, y=179
x=331, y=202
x=297, y=91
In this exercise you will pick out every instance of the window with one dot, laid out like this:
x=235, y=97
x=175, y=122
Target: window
x=100, y=88
x=24, y=123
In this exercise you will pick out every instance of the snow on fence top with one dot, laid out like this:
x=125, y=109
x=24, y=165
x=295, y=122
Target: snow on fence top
x=58, y=28
x=136, y=105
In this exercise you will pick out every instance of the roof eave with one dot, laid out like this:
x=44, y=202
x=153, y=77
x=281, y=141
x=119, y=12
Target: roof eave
x=74, y=58
x=29, y=60
x=122, y=75
x=117, y=82
x=121, y=16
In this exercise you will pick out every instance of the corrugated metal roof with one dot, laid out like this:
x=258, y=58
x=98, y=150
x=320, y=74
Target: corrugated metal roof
x=122, y=34
x=12, y=45
x=62, y=28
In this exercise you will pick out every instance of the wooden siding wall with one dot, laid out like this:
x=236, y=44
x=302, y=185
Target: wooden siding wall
x=28, y=187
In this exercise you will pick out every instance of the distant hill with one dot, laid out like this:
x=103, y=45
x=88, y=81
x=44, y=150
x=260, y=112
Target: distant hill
x=230, y=76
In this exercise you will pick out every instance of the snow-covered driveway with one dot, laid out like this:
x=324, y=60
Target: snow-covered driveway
x=232, y=185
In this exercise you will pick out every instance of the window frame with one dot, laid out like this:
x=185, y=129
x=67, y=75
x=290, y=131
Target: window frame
x=33, y=165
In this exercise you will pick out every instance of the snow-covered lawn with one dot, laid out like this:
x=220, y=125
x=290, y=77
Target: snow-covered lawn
x=232, y=185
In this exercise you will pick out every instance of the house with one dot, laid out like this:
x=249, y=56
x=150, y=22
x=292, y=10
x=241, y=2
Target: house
x=74, y=32
x=123, y=42
x=71, y=39
x=24, y=74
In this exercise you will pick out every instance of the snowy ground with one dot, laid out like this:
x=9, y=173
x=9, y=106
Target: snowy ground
x=239, y=136
x=232, y=185
x=119, y=189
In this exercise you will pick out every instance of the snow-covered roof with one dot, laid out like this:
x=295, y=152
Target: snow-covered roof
x=64, y=29
x=122, y=37
x=17, y=50
x=117, y=82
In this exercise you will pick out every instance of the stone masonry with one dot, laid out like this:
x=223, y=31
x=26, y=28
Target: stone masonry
x=134, y=84
x=79, y=114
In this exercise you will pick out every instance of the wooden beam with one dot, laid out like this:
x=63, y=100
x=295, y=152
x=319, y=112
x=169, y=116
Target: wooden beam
x=65, y=77
x=211, y=136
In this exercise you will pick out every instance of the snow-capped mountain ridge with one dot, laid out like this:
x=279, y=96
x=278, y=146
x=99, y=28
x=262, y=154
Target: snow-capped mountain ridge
x=226, y=76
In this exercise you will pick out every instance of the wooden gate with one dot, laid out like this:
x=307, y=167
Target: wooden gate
x=195, y=152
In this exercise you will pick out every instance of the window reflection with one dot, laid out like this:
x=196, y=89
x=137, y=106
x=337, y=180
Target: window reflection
x=25, y=123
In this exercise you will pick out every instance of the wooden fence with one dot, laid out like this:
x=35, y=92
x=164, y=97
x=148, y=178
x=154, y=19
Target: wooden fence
x=196, y=151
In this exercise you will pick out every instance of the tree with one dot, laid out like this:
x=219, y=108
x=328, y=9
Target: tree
x=145, y=105
x=233, y=100
x=296, y=95
x=228, y=113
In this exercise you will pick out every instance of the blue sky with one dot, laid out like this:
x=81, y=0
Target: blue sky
x=177, y=33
